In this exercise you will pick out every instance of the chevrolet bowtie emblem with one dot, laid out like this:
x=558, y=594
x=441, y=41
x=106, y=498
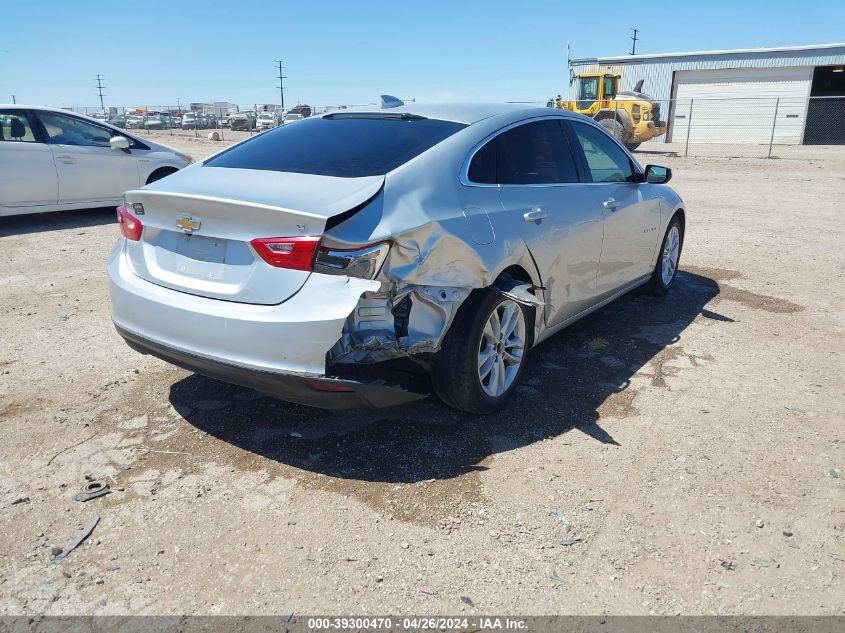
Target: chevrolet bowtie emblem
x=188, y=224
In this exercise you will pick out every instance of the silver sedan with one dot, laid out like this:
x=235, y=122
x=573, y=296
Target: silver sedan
x=362, y=258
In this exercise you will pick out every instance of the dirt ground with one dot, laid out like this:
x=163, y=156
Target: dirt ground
x=676, y=455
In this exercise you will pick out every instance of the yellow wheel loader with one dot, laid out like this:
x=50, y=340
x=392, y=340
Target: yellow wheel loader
x=632, y=117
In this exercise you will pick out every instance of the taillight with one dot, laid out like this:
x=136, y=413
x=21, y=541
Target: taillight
x=296, y=253
x=363, y=262
x=130, y=226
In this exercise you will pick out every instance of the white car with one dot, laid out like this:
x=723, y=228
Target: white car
x=53, y=160
x=265, y=121
x=290, y=117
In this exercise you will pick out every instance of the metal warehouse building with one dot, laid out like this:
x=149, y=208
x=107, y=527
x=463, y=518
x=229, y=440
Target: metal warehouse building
x=734, y=96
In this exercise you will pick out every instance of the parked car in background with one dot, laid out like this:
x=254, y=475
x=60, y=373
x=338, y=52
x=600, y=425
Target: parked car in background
x=134, y=122
x=189, y=121
x=224, y=120
x=176, y=122
x=265, y=121
x=301, y=108
x=453, y=238
x=290, y=117
x=242, y=121
x=156, y=122
x=53, y=160
x=117, y=121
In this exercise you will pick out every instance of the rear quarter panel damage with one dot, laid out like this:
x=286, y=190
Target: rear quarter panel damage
x=437, y=256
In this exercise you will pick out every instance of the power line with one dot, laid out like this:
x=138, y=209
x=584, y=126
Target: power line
x=281, y=85
x=100, y=87
x=634, y=45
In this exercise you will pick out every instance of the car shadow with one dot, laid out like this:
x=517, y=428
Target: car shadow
x=55, y=221
x=575, y=378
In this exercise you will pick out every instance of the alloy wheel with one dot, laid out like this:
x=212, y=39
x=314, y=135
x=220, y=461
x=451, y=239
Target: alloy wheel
x=671, y=253
x=501, y=348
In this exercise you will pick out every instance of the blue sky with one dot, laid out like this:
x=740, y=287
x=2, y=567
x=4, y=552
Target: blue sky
x=152, y=52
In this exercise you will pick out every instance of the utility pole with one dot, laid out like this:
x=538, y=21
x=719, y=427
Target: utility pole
x=13, y=99
x=635, y=38
x=282, y=78
x=100, y=87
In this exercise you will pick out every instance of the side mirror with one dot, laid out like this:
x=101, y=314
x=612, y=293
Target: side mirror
x=657, y=175
x=119, y=142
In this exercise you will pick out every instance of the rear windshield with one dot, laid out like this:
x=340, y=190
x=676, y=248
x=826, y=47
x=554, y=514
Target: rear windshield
x=348, y=145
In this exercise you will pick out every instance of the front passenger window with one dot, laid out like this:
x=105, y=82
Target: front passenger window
x=605, y=159
x=67, y=130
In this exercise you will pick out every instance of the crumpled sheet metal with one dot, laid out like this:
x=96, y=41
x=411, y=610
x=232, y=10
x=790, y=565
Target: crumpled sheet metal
x=439, y=254
x=519, y=291
x=432, y=311
x=431, y=256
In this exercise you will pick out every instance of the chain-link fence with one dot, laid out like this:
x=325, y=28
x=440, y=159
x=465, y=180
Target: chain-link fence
x=755, y=127
x=175, y=120
x=227, y=121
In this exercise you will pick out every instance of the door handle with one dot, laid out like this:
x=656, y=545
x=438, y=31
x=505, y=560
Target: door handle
x=67, y=160
x=535, y=215
x=610, y=204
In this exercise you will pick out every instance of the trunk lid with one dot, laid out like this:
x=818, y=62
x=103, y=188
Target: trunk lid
x=219, y=211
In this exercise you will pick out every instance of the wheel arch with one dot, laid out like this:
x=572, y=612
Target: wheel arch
x=160, y=172
x=682, y=216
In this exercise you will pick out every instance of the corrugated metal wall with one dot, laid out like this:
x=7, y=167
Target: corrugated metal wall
x=657, y=72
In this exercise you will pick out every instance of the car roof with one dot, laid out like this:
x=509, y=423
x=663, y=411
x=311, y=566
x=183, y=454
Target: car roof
x=467, y=113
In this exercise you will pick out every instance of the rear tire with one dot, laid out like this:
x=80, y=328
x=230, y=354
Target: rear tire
x=668, y=258
x=632, y=146
x=479, y=364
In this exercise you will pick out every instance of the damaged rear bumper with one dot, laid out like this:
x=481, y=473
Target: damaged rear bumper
x=277, y=349
x=323, y=392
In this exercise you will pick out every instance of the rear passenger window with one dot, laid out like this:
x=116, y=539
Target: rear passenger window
x=14, y=127
x=482, y=169
x=535, y=153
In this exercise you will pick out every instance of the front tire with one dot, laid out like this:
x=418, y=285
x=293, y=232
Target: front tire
x=483, y=354
x=668, y=258
x=614, y=127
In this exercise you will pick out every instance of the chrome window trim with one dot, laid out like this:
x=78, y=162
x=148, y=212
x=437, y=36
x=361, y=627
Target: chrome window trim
x=464, y=173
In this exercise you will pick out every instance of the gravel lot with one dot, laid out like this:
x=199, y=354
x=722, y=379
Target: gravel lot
x=676, y=455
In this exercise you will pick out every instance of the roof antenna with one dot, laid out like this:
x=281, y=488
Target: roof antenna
x=389, y=101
